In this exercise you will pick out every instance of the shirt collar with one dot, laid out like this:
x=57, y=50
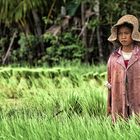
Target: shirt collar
x=135, y=50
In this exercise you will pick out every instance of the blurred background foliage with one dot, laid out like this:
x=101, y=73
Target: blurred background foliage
x=48, y=32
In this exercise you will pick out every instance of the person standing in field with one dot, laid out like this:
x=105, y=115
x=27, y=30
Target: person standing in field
x=123, y=69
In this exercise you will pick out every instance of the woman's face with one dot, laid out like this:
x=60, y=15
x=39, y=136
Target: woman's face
x=124, y=36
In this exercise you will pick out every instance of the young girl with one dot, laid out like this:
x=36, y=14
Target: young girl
x=124, y=69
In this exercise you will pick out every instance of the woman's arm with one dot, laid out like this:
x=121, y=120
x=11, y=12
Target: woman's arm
x=109, y=87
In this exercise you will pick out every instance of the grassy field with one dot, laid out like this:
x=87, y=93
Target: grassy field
x=60, y=103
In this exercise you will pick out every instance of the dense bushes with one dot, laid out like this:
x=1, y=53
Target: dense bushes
x=65, y=47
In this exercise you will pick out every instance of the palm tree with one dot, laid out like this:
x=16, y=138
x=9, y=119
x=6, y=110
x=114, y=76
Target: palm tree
x=16, y=11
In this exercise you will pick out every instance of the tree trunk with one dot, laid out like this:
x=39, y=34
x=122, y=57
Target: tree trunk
x=9, y=48
x=84, y=30
x=99, y=40
x=99, y=44
x=38, y=30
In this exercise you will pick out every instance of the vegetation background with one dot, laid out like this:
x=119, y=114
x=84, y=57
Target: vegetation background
x=47, y=32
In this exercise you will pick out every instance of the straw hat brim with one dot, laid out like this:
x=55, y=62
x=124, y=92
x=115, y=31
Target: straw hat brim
x=129, y=19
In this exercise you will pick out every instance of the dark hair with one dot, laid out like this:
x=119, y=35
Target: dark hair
x=125, y=24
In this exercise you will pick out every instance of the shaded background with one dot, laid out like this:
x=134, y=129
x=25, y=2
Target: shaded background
x=50, y=32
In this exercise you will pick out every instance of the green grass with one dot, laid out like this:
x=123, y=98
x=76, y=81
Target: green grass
x=66, y=103
x=77, y=127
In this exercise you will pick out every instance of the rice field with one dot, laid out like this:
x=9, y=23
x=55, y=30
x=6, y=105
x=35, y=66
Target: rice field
x=59, y=103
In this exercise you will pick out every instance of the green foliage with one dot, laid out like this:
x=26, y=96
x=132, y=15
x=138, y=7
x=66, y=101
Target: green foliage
x=26, y=53
x=47, y=49
x=113, y=10
x=72, y=7
x=47, y=21
x=93, y=23
x=58, y=48
x=16, y=10
x=63, y=47
x=3, y=40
